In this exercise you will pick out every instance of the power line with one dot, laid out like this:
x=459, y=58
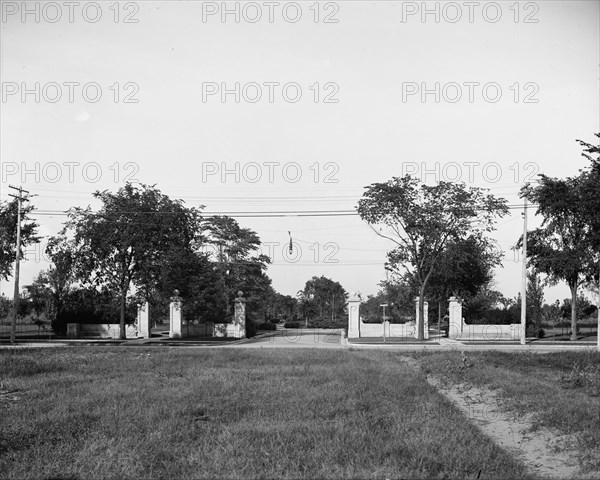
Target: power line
x=250, y=214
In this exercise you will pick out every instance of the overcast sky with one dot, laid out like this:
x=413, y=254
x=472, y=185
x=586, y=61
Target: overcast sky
x=281, y=106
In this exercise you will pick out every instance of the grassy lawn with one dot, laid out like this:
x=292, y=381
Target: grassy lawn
x=111, y=412
x=560, y=391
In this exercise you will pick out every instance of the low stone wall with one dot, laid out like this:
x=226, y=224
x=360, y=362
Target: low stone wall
x=391, y=329
x=198, y=329
x=210, y=329
x=465, y=331
x=459, y=330
x=104, y=330
x=230, y=330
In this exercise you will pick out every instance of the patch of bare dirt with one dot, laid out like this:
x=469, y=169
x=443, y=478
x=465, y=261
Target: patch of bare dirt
x=545, y=454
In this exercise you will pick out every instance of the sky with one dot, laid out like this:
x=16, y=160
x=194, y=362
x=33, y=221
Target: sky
x=251, y=108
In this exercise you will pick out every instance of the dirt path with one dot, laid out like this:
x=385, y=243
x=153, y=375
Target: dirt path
x=535, y=450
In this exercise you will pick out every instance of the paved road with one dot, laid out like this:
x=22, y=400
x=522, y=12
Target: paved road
x=295, y=338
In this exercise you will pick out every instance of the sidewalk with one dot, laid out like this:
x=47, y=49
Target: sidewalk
x=437, y=343
x=315, y=338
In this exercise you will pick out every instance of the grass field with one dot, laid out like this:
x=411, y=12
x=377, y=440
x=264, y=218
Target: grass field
x=558, y=391
x=102, y=412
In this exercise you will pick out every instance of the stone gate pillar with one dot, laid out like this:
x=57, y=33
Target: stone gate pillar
x=354, y=317
x=425, y=319
x=455, y=323
x=175, y=315
x=239, y=316
x=143, y=320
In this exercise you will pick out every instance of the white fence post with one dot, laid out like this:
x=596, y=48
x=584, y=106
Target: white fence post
x=175, y=315
x=354, y=317
x=455, y=322
x=143, y=320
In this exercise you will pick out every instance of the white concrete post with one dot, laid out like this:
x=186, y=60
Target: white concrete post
x=425, y=319
x=354, y=317
x=239, y=316
x=175, y=315
x=455, y=323
x=143, y=320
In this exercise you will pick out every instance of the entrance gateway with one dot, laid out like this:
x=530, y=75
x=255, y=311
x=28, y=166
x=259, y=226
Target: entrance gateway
x=458, y=329
x=180, y=328
x=357, y=328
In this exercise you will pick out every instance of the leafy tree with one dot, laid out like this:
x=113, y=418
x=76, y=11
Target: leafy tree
x=5, y=306
x=323, y=299
x=369, y=308
x=39, y=296
x=464, y=269
x=489, y=306
x=563, y=247
x=584, y=308
x=8, y=234
x=421, y=220
x=60, y=277
x=399, y=296
x=236, y=257
x=591, y=189
x=277, y=307
x=286, y=307
x=125, y=243
x=534, y=304
x=551, y=313
x=199, y=284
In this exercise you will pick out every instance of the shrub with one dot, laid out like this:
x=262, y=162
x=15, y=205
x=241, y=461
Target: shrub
x=584, y=374
x=291, y=324
x=492, y=316
x=266, y=326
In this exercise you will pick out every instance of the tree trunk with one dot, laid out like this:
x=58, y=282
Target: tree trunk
x=573, y=312
x=421, y=319
x=122, y=334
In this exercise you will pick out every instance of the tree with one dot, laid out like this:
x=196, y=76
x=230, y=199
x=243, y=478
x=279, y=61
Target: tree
x=277, y=307
x=421, y=220
x=38, y=296
x=563, y=247
x=534, y=303
x=49, y=291
x=551, y=313
x=241, y=266
x=489, y=306
x=399, y=294
x=125, y=243
x=200, y=284
x=8, y=234
x=464, y=269
x=5, y=306
x=323, y=299
x=60, y=277
x=584, y=308
x=591, y=188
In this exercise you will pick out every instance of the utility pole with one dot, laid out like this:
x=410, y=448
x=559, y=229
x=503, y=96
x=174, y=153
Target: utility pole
x=524, y=275
x=20, y=199
x=383, y=321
